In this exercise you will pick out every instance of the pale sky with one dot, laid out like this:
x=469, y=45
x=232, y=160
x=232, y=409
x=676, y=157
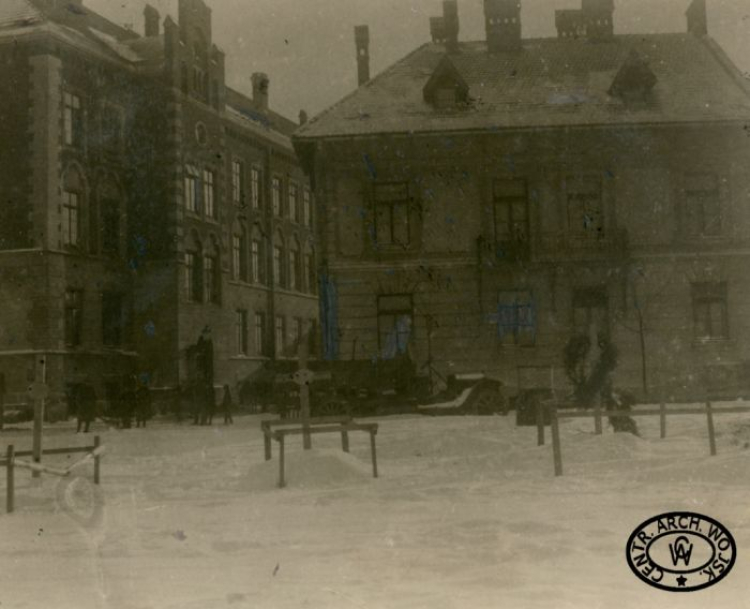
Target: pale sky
x=307, y=46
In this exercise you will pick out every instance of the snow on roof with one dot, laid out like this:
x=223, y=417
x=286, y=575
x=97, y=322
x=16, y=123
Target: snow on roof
x=551, y=82
x=18, y=12
x=260, y=126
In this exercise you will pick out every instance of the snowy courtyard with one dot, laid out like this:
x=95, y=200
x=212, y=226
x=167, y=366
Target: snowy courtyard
x=466, y=514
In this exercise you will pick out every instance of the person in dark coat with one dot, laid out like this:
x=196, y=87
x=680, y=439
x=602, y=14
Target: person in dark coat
x=86, y=407
x=142, y=406
x=226, y=405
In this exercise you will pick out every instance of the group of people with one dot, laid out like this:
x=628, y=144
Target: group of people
x=204, y=405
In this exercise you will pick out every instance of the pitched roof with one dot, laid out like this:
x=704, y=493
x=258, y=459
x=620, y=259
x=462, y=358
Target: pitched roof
x=551, y=82
x=18, y=12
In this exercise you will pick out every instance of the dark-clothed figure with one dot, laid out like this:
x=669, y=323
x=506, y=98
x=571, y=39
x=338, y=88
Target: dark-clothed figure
x=86, y=399
x=226, y=405
x=142, y=406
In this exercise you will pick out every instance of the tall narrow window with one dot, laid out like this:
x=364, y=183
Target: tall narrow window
x=293, y=203
x=311, y=273
x=241, y=332
x=585, y=212
x=306, y=207
x=511, y=217
x=255, y=187
x=591, y=311
x=710, y=311
x=295, y=334
x=276, y=196
x=73, y=317
x=260, y=334
x=392, y=223
x=279, y=257
x=209, y=207
x=395, y=318
x=293, y=282
x=280, y=334
x=72, y=120
x=211, y=274
x=192, y=189
x=112, y=319
x=71, y=220
x=239, y=255
x=516, y=318
x=193, y=277
x=238, y=185
x=255, y=261
x=702, y=215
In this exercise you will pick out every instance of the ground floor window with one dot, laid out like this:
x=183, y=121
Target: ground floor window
x=710, y=311
x=591, y=311
x=395, y=321
x=280, y=334
x=260, y=334
x=241, y=331
x=516, y=318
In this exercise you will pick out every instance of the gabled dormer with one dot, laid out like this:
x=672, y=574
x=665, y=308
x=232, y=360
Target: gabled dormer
x=446, y=89
x=634, y=80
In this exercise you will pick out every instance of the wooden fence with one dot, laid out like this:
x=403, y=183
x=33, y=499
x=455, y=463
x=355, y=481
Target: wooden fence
x=598, y=414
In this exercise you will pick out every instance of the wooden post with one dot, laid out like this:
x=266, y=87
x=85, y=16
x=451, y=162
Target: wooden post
x=345, y=440
x=40, y=378
x=556, y=449
x=10, y=455
x=282, y=482
x=304, y=395
x=267, y=443
x=598, y=416
x=663, y=420
x=374, y=454
x=539, y=423
x=2, y=400
x=711, y=435
x=97, y=461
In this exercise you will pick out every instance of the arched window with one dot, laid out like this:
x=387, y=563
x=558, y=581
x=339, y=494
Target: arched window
x=110, y=221
x=279, y=258
x=72, y=208
x=295, y=274
x=257, y=257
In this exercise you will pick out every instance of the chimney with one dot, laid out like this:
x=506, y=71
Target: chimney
x=598, y=17
x=437, y=30
x=302, y=117
x=260, y=90
x=450, y=23
x=362, y=42
x=697, y=18
x=151, y=18
x=502, y=21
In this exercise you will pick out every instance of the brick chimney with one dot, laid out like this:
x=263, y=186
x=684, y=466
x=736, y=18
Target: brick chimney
x=598, y=16
x=260, y=90
x=450, y=23
x=697, y=18
x=151, y=18
x=502, y=21
x=362, y=42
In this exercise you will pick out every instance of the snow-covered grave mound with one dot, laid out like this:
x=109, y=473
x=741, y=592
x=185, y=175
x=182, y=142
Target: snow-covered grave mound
x=309, y=469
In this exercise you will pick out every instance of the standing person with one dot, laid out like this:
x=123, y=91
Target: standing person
x=142, y=405
x=86, y=407
x=226, y=405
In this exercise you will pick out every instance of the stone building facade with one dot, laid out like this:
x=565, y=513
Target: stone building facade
x=144, y=201
x=483, y=202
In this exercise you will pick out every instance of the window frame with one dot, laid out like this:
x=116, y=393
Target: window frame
x=73, y=127
x=241, y=332
x=193, y=189
x=707, y=294
x=698, y=198
x=390, y=204
x=576, y=191
x=395, y=313
x=209, y=193
x=73, y=305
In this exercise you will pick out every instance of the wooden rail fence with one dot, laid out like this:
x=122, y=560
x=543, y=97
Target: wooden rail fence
x=598, y=414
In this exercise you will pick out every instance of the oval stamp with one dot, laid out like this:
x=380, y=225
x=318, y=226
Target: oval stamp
x=681, y=551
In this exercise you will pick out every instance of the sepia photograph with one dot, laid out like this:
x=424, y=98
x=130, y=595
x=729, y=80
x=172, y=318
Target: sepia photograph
x=374, y=304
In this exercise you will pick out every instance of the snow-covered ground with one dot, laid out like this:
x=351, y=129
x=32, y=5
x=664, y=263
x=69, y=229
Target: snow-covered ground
x=466, y=514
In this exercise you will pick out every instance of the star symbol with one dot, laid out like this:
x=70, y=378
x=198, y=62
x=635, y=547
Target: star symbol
x=682, y=580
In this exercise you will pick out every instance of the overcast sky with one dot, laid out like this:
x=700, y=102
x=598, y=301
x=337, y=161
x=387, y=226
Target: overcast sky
x=307, y=46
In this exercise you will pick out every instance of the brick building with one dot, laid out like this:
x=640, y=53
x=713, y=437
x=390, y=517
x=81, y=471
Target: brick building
x=143, y=200
x=482, y=202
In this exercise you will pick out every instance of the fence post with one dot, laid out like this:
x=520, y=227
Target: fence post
x=345, y=440
x=97, y=461
x=663, y=420
x=374, y=454
x=556, y=449
x=711, y=435
x=598, y=416
x=539, y=423
x=282, y=482
x=266, y=440
x=9, y=491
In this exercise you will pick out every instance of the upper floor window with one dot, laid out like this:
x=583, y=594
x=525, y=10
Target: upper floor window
x=209, y=205
x=238, y=183
x=72, y=212
x=72, y=120
x=241, y=329
x=211, y=278
x=276, y=196
x=710, y=311
x=585, y=210
x=392, y=215
x=279, y=277
x=293, y=208
x=511, y=212
x=192, y=189
x=193, y=277
x=306, y=208
x=255, y=187
x=591, y=311
x=280, y=334
x=702, y=206
x=256, y=265
x=259, y=332
x=294, y=266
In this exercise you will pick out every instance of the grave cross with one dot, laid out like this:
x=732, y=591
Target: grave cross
x=303, y=377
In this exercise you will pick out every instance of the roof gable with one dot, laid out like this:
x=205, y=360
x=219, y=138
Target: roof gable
x=445, y=78
x=635, y=79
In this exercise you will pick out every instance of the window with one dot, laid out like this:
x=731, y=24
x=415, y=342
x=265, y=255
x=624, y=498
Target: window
x=516, y=318
x=255, y=187
x=111, y=128
x=295, y=333
x=238, y=183
x=73, y=317
x=193, y=278
x=210, y=279
x=395, y=317
x=294, y=277
x=293, y=208
x=591, y=311
x=209, y=208
x=239, y=255
x=72, y=120
x=710, y=311
x=276, y=196
x=511, y=212
x=280, y=334
x=112, y=319
x=279, y=277
x=192, y=189
x=312, y=275
x=255, y=261
x=702, y=206
x=71, y=218
x=306, y=208
x=585, y=214
x=260, y=334
x=241, y=332
x=446, y=97
x=392, y=226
